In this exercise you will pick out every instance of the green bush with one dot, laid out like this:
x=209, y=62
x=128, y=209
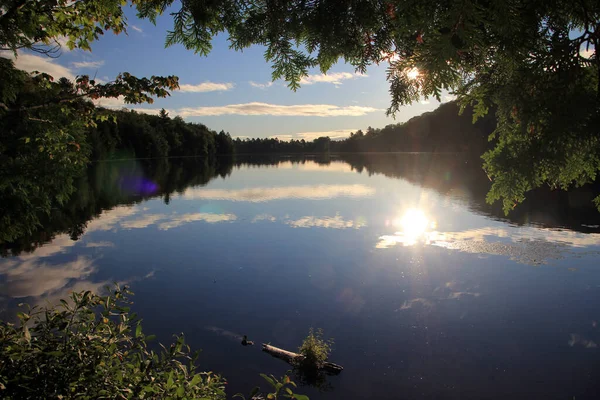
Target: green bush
x=91, y=347
x=315, y=349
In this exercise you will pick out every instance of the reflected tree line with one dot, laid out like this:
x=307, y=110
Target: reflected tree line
x=105, y=185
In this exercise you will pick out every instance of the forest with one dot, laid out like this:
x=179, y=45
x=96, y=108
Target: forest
x=135, y=135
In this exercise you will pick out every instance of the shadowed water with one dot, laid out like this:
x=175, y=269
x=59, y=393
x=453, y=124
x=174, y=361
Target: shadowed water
x=428, y=291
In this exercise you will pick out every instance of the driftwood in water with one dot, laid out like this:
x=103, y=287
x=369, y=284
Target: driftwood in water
x=291, y=357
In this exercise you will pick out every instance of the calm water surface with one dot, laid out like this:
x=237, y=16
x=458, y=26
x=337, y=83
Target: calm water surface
x=428, y=292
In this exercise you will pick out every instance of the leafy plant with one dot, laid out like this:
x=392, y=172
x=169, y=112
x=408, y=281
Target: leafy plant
x=315, y=349
x=281, y=389
x=92, y=347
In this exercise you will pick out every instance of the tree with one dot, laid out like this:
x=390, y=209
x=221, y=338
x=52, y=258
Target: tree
x=533, y=61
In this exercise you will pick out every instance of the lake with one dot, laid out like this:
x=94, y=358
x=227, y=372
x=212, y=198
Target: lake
x=429, y=292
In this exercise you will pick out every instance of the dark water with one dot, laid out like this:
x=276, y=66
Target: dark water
x=429, y=292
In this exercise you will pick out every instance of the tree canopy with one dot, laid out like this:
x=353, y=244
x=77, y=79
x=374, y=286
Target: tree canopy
x=533, y=61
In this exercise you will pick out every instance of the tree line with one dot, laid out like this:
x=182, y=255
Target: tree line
x=441, y=130
x=152, y=136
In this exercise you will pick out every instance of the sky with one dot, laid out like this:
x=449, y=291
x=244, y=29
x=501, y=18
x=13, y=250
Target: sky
x=233, y=91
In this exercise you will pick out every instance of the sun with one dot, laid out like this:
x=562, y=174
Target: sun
x=412, y=73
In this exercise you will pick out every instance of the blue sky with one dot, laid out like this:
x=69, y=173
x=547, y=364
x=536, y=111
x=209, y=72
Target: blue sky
x=227, y=89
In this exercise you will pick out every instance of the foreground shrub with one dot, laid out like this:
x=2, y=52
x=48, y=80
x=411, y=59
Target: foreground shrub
x=91, y=347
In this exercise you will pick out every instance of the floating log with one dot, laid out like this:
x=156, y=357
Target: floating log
x=292, y=357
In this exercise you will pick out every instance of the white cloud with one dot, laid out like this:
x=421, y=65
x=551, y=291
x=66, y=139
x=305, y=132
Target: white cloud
x=335, y=78
x=87, y=64
x=187, y=218
x=309, y=136
x=31, y=62
x=257, y=195
x=136, y=28
x=100, y=244
x=62, y=41
x=32, y=278
x=336, y=222
x=143, y=222
x=425, y=102
x=304, y=110
x=264, y=217
x=448, y=98
x=110, y=219
x=261, y=85
x=206, y=87
x=111, y=102
x=532, y=246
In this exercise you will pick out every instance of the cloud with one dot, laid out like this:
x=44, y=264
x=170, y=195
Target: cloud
x=261, y=85
x=32, y=278
x=335, y=78
x=531, y=246
x=31, y=62
x=143, y=222
x=257, y=195
x=308, y=136
x=301, y=110
x=187, y=218
x=264, y=217
x=87, y=64
x=112, y=102
x=110, y=219
x=206, y=87
x=136, y=28
x=100, y=244
x=447, y=98
x=336, y=222
x=114, y=220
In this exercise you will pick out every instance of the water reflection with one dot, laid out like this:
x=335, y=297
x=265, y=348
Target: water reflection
x=532, y=246
x=398, y=258
x=415, y=227
x=261, y=194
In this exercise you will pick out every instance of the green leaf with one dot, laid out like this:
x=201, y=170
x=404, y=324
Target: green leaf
x=196, y=380
x=266, y=378
x=300, y=397
x=170, y=380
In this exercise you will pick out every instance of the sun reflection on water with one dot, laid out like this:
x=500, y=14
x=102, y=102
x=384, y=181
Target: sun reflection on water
x=415, y=225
